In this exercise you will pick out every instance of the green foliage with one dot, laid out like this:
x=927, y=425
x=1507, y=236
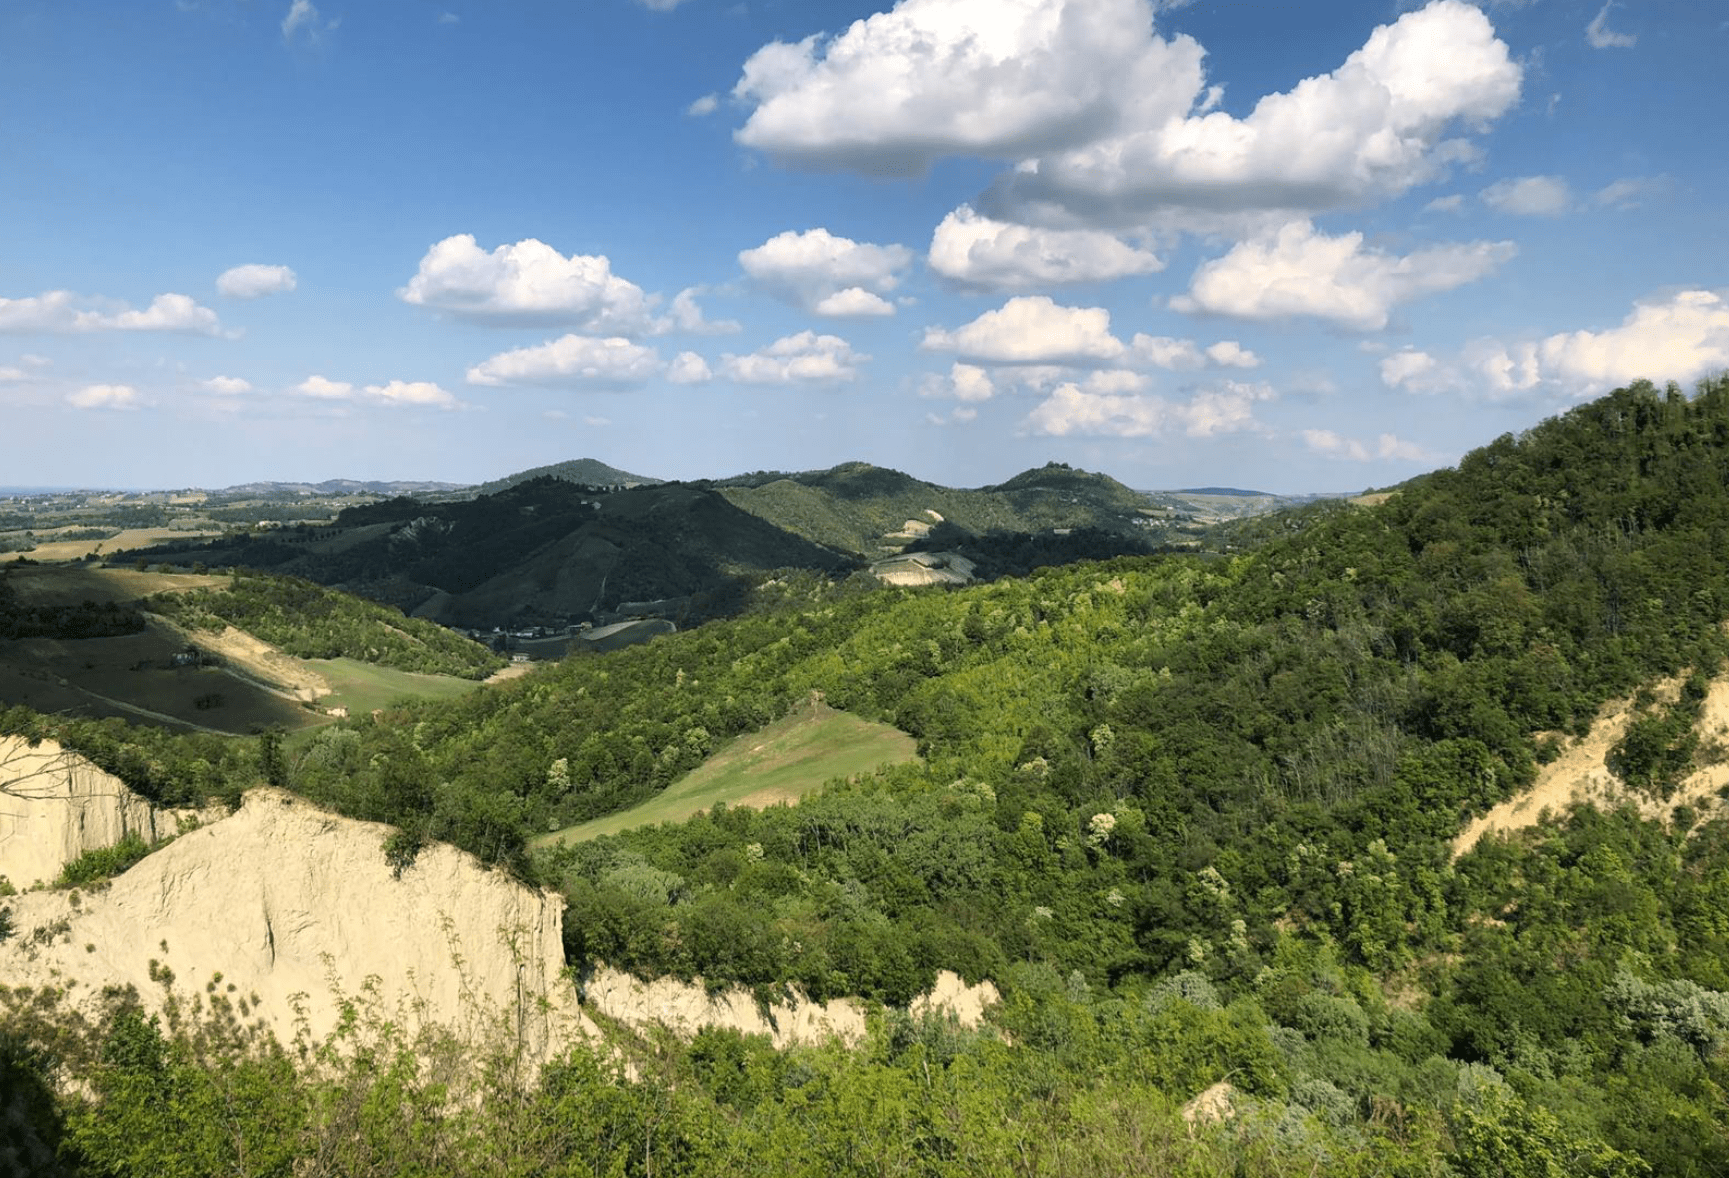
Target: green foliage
x=100, y=863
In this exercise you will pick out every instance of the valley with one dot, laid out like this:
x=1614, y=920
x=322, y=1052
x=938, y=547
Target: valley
x=1265, y=851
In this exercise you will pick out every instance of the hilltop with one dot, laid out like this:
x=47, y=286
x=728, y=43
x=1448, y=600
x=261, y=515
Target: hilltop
x=585, y=472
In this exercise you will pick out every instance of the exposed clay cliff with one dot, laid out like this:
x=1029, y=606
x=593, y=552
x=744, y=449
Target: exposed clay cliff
x=297, y=910
x=55, y=805
x=293, y=910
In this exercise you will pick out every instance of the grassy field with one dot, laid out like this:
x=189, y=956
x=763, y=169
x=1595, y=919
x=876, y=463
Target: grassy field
x=779, y=763
x=361, y=687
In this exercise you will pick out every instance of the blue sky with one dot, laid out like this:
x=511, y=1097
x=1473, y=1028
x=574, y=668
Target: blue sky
x=1296, y=247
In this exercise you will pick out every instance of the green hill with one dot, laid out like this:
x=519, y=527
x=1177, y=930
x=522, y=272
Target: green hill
x=1193, y=814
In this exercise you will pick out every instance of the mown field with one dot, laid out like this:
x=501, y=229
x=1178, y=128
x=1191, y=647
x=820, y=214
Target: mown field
x=361, y=687
x=780, y=763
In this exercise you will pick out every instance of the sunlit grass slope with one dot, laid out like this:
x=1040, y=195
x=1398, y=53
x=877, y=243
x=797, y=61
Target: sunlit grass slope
x=779, y=763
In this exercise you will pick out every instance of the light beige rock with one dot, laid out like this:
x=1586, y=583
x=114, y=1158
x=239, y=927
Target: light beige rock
x=1214, y=1104
x=297, y=909
x=55, y=805
x=953, y=998
x=685, y=1008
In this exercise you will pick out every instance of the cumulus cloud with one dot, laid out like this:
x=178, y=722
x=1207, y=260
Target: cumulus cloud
x=105, y=396
x=688, y=368
x=325, y=389
x=1600, y=36
x=998, y=79
x=1373, y=128
x=803, y=358
x=1446, y=204
x=528, y=282
x=827, y=274
x=1681, y=336
x=253, y=281
x=411, y=394
x=1072, y=410
x=228, y=386
x=1300, y=271
x=975, y=251
x=63, y=311
x=964, y=382
x=1529, y=196
x=686, y=316
x=1033, y=329
x=1387, y=447
x=703, y=106
x=1178, y=355
x=571, y=359
x=1414, y=370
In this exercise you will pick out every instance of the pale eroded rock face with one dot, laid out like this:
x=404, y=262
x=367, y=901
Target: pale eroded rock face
x=296, y=908
x=686, y=1007
x=55, y=805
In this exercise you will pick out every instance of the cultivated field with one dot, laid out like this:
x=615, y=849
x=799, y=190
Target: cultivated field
x=780, y=763
x=361, y=687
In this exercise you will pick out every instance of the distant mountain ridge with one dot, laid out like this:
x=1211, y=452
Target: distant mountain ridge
x=267, y=490
x=585, y=472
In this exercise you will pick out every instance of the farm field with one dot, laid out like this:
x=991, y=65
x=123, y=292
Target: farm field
x=361, y=687
x=780, y=763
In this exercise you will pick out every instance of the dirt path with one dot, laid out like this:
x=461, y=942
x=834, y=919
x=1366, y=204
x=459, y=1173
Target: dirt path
x=1581, y=774
x=258, y=661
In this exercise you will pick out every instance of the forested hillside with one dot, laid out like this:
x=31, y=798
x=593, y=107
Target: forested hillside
x=1192, y=814
x=312, y=622
x=855, y=506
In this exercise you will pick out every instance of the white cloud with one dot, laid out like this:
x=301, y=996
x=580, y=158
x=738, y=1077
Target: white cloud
x=965, y=382
x=324, y=388
x=1529, y=196
x=660, y=5
x=854, y=302
x=1228, y=353
x=1371, y=129
x=449, y=18
x=302, y=19
x=1632, y=191
x=1032, y=329
x=1179, y=355
x=978, y=252
x=105, y=396
x=688, y=368
x=1599, y=35
x=1300, y=271
x=9, y=374
x=1073, y=411
x=1387, y=447
x=411, y=394
x=998, y=79
x=826, y=274
x=254, y=280
x=686, y=316
x=805, y=357
x=1679, y=338
x=62, y=311
x=228, y=386
x=1446, y=204
x=571, y=359
x=1414, y=370
x=528, y=282
x=703, y=106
